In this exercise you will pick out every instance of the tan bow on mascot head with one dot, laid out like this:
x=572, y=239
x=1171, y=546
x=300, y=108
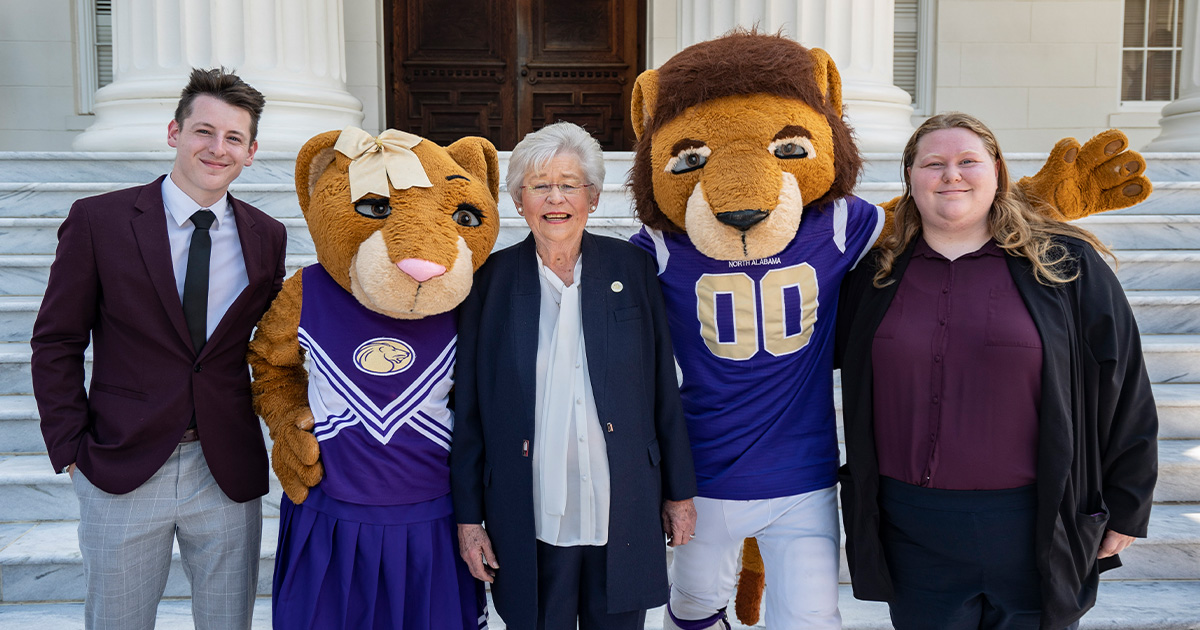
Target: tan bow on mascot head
x=738, y=136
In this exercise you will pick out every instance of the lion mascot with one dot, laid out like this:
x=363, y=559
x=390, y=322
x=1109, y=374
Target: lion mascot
x=362, y=436
x=742, y=178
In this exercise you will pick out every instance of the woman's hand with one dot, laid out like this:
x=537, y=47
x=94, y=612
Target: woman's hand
x=679, y=521
x=476, y=550
x=1114, y=543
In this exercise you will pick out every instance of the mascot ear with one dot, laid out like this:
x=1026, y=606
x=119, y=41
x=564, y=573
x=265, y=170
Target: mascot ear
x=827, y=78
x=645, y=97
x=478, y=156
x=314, y=157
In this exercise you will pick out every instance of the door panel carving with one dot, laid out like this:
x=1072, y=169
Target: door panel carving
x=503, y=68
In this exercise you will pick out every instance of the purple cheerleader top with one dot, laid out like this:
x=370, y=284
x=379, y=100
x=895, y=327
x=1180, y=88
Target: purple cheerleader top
x=379, y=389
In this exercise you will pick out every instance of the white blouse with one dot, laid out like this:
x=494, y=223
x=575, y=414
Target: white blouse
x=570, y=461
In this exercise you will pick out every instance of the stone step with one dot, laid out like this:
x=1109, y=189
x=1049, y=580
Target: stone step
x=40, y=562
x=27, y=274
x=1171, y=551
x=1178, y=410
x=1169, y=197
x=1166, y=605
x=1144, y=231
x=14, y=369
x=19, y=431
x=1176, y=270
x=1166, y=311
x=30, y=490
x=17, y=313
x=1131, y=603
x=1172, y=358
x=1178, y=472
x=53, y=199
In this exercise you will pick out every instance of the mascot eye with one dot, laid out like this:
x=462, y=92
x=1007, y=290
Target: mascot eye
x=791, y=148
x=373, y=208
x=467, y=216
x=689, y=159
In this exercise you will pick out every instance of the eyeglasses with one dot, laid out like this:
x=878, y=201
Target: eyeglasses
x=567, y=190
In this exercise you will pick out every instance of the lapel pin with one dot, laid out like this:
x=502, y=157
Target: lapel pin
x=617, y=287
x=525, y=448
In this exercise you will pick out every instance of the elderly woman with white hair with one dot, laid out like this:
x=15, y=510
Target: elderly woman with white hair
x=571, y=457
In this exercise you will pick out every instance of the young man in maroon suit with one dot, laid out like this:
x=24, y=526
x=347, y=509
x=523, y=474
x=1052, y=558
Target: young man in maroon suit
x=167, y=280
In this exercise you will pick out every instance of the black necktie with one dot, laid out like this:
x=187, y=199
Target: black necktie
x=195, y=282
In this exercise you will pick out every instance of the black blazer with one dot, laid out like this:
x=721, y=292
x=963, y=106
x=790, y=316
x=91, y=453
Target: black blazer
x=633, y=379
x=1097, y=439
x=112, y=281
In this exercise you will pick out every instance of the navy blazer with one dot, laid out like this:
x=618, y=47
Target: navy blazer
x=633, y=377
x=113, y=281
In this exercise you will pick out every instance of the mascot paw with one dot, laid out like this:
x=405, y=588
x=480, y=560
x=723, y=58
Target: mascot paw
x=296, y=458
x=1101, y=175
x=750, y=584
x=295, y=477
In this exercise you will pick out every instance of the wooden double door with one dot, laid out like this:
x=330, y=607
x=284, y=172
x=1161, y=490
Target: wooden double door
x=502, y=68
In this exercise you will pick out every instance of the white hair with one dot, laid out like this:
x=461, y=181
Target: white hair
x=536, y=150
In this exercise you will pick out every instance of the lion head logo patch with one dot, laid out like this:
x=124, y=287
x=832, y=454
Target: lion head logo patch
x=384, y=356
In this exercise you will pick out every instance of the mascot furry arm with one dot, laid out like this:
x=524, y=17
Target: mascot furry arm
x=374, y=247
x=736, y=136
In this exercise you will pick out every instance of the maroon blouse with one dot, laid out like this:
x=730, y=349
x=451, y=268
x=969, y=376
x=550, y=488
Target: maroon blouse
x=957, y=375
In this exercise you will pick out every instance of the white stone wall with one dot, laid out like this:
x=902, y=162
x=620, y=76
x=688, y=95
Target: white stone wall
x=365, y=60
x=37, y=76
x=1036, y=71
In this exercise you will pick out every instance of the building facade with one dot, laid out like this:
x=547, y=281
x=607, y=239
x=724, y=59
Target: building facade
x=103, y=75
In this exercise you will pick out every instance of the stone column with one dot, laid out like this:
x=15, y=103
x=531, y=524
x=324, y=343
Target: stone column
x=856, y=33
x=1181, y=117
x=293, y=51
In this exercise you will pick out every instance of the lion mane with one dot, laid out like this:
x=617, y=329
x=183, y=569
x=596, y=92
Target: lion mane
x=740, y=63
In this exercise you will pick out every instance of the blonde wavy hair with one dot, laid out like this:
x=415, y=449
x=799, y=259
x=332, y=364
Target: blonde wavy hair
x=1015, y=224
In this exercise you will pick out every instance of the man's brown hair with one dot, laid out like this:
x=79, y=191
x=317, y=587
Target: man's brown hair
x=225, y=86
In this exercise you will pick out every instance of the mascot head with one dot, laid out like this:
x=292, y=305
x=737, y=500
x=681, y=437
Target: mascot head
x=735, y=137
x=399, y=221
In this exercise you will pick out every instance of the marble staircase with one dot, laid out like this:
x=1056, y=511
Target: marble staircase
x=1157, y=243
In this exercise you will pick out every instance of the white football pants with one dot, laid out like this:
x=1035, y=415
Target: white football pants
x=799, y=540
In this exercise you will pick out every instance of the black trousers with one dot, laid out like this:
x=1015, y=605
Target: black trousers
x=961, y=559
x=572, y=585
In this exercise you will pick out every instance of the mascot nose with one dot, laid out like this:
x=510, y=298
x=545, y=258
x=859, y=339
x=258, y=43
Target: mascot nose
x=420, y=270
x=742, y=219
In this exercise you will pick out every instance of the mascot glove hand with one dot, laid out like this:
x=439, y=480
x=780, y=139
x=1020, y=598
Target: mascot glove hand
x=1101, y=175
x=295, y=457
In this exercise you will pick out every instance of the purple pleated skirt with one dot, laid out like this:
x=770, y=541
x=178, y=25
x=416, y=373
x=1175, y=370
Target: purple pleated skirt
x=343, y=565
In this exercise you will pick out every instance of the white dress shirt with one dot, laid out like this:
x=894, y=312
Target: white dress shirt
x=570, y=460
x=226, y=266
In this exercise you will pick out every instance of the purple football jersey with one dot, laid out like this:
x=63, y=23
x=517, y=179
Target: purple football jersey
x=754, y=339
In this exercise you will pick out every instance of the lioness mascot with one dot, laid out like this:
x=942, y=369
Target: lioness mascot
x=742, y=178
x=366, y=534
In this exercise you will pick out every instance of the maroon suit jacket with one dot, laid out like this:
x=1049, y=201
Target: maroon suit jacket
x=112, y=279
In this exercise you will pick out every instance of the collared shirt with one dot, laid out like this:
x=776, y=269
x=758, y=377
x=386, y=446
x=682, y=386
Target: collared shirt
x=570, y=459
x=957, y=364
x=226, y=266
